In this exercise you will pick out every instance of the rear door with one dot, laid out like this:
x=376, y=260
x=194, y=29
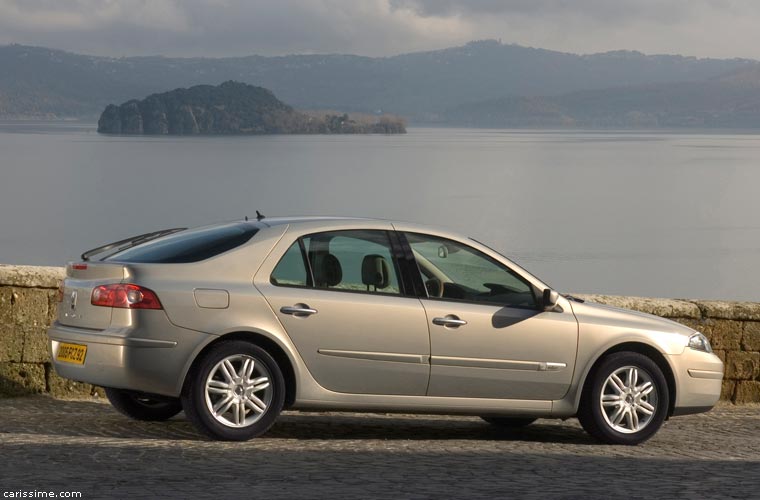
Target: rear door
x=340, y=297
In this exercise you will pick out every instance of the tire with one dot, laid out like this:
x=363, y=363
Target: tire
x=227, y=399
x=631, y=413
x=141, y=406
x=509, y=422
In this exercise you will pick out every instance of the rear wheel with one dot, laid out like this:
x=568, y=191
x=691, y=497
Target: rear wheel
x=141, y=406
x=235, y=393
x=626, y=400
x=509, y=422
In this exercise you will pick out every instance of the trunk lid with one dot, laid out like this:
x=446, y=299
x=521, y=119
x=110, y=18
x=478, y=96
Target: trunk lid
x=75, y=308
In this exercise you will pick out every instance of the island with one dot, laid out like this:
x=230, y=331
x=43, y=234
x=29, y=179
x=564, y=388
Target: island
x=233, y=108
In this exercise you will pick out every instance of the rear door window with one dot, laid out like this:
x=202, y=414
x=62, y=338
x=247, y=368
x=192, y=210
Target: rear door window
x=192, y=245
x=353, y=260
x=347, y=260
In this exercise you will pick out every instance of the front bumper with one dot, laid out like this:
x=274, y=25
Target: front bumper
x=151, y=356
x=699, y=377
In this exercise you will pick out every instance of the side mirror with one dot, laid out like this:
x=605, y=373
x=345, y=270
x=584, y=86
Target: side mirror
x=550, y=298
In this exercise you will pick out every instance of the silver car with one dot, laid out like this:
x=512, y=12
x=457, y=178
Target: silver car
x=234, y=322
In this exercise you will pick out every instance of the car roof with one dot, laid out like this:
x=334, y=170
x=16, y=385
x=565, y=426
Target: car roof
x=338, y=221
x=277, y=221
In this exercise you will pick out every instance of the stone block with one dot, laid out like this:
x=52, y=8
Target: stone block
x=11, y=343
x=31, y=276
x=52, y=306
x=30, y=306
x=747, y=311
x=727, y=390
x=751, y=336
x=18, y=379
x=60, y=387
x=667, y=308
x=742, y=365
x=6, y=305
x=721, y=354
x=35, y=345
x=747, y=391
x=723, y=333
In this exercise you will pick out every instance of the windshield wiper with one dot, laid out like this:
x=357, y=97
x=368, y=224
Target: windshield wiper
x=130, y=242
x=573, y=298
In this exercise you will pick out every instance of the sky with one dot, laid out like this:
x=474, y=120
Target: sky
x=214, y=28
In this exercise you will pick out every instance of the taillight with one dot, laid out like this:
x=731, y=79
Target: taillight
x=125, y=296
x=59, y=295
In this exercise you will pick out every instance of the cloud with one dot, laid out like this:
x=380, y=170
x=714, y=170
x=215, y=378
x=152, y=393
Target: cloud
x=87, y=15
x=592, y=9
x=380, y=27
x=225, y=27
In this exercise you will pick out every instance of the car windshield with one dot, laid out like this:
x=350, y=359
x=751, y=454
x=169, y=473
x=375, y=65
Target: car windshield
x=188, y=246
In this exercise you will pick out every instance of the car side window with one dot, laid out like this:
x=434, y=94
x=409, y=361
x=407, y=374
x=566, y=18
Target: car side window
x=291, y=270
x=356, y=260
x=454, y=271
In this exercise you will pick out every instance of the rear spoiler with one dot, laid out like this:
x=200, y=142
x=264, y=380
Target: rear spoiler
x=130, y=242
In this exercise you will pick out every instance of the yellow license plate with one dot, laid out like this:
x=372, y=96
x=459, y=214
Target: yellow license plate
x=72, y=353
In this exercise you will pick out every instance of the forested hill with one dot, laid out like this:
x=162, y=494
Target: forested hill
x=230, y=108
x=41, y=82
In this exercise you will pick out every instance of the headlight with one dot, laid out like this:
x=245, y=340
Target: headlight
x=700, y=343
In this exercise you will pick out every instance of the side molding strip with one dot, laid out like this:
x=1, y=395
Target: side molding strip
x=377, y=356
x=501, y=364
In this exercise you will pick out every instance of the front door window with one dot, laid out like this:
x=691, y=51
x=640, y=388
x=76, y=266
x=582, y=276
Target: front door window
x=453, y=271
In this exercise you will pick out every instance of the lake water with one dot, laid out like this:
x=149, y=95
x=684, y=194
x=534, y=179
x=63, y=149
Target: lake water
x=635, y=213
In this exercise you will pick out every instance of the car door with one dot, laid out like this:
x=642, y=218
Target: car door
x=489, y=335
x=340, y=297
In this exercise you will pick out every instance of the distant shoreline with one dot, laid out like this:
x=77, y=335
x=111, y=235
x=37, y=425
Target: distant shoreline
x=91, y=123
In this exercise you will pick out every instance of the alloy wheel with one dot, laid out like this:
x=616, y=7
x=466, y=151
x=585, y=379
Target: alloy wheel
x=238, y=390
x=628, y=399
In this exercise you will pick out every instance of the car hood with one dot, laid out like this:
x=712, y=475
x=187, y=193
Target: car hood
x=592, y=312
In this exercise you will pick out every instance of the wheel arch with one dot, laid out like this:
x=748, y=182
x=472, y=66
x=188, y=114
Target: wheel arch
x=641, y=348
x=267, y=343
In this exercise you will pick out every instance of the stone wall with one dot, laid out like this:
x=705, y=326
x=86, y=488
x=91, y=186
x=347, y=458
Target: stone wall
x=28, y=305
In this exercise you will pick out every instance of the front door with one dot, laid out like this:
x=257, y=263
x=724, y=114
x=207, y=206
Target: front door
x=339, y=297
x=489, y=336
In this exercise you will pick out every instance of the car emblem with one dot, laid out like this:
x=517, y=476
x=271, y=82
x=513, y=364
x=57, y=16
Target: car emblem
x=73, y=300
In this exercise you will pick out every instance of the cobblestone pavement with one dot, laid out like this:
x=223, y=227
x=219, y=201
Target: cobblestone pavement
x=48, y=444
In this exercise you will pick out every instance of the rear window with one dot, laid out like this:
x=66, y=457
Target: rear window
x=188, y=246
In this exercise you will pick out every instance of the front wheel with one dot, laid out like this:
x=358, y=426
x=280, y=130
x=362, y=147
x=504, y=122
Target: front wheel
x=235, y=393
x=626, y=401
x=141, y=406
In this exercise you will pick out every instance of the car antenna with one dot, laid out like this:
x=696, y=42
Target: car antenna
x=259, y=215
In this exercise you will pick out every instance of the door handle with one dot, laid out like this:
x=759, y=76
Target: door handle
x=298, y=310
x=449, y=320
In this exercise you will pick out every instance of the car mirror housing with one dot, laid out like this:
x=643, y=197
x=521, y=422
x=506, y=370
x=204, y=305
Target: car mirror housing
x=550, y=298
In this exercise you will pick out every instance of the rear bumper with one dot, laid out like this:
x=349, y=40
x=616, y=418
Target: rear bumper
x=699, y=377
x=152, y=356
